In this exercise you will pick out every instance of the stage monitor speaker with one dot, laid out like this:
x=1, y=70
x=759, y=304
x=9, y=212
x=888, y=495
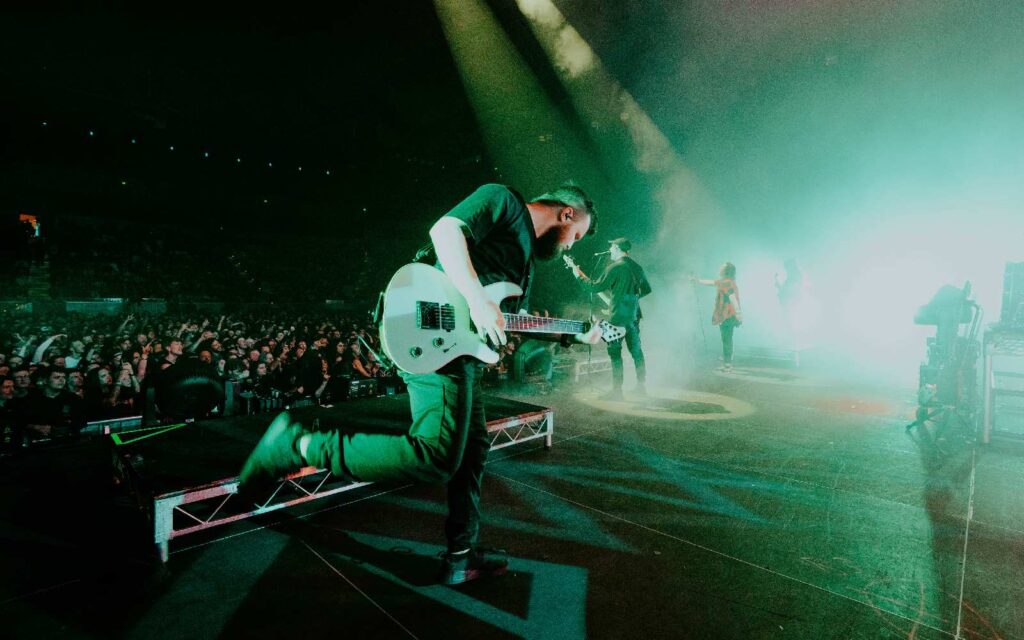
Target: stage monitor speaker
x=362, y=388
x=188, y=389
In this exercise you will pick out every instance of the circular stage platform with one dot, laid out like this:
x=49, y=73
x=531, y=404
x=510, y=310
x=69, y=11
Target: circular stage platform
x=670, y=404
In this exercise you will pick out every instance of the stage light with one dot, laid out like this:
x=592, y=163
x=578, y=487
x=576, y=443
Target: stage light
x=171, y=148
x=206, y=154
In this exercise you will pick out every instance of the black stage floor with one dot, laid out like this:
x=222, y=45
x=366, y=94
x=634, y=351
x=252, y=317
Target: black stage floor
x=764, y=504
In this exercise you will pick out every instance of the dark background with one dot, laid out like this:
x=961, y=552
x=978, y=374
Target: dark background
x=871, y=140
x=366, y=91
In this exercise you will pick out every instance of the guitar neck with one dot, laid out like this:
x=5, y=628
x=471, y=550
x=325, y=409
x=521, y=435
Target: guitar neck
x=538, y=324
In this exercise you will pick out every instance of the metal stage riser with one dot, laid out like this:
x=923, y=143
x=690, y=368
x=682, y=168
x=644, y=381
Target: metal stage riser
x=194, y=509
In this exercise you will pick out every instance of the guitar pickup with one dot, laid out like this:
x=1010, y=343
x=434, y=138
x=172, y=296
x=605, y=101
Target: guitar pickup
x=435, y=316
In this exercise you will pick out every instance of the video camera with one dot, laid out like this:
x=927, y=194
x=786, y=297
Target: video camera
x=947, y=377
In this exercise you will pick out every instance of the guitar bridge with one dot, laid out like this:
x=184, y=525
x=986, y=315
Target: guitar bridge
x=435, y=316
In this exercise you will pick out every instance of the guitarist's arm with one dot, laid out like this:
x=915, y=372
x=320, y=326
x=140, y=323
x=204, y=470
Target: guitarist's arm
x=602, y=287
x=592, y=336
x=597, y=286
x=576, y=271
x=453, y=254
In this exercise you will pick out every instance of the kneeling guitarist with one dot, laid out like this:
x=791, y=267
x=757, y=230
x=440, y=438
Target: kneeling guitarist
x=622, y=284
x=490, y=237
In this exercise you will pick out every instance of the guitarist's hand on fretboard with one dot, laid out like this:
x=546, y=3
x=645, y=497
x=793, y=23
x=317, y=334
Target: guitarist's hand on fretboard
x=489, y=321
x=576, y=271
x=591, y=337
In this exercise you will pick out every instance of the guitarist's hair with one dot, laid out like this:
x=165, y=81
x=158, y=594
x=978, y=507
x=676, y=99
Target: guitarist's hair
x=569, y=195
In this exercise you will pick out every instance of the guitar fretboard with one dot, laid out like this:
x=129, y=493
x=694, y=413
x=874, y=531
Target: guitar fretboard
x=539, y=324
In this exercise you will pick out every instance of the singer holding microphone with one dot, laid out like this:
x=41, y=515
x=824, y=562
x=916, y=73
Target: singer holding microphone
x=621, y=286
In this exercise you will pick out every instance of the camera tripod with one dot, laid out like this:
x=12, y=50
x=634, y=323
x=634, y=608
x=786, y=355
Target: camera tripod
x=943, y=416
x=940, y=443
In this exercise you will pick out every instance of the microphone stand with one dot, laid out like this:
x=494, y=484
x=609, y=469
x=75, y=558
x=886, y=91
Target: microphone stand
x=598, y=260
x=700, y=317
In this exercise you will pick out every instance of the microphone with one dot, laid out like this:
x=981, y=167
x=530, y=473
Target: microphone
x=602, y=253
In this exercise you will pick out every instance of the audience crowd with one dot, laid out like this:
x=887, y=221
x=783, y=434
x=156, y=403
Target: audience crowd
x=58, y=372
x=61, y=370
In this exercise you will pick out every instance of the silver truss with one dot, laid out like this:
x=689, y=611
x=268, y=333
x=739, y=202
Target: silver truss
x=195, y=509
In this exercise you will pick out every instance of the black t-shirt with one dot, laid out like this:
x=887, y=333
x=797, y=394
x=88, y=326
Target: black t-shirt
x=65, y=411
x=500, y=236
x=626, y=282
x=310, y=374
x=342, y=366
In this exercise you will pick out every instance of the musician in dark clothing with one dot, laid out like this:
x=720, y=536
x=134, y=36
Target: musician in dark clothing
x=622, y=285
x=491, y=236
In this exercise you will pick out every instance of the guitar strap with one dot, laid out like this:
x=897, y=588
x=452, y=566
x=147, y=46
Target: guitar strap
x=526, y=285
x=377, y=313
x=426, y=254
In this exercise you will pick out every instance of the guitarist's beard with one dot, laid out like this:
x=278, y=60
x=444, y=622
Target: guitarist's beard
x=546, y=247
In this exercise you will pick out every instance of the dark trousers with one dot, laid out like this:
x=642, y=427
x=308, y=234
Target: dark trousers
x=632, y=340
x=727, y=328
x=447, y=443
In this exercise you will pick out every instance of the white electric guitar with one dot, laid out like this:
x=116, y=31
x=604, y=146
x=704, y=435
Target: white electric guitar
x=426, y=323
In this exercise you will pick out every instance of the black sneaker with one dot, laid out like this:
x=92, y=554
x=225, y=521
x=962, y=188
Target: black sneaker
x=457, y=568
x=275, y=455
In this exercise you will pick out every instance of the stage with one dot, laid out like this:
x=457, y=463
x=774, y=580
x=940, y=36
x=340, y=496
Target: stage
x=772, y=502
x=184, y=475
